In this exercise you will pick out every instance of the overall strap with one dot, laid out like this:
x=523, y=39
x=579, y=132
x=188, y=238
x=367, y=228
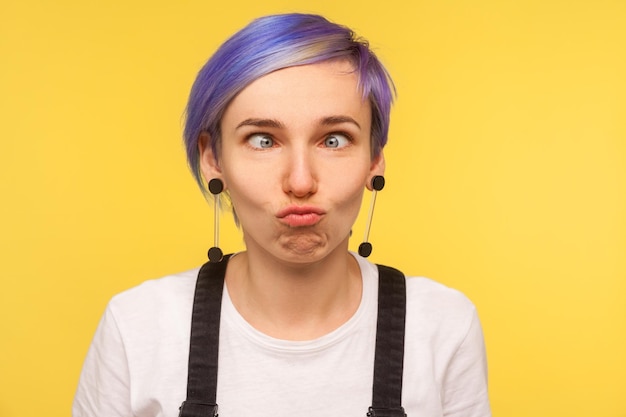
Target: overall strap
x=204, y=342
x=389, y=355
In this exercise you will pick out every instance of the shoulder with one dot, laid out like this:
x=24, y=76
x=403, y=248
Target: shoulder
x=440, y=303
x=151, y=320
x=179, y=284
x=154, y=301
x=445, y=340
x=441, y=317
x=438, y=314
x=427, y=294
x=140, y=349
x=431, y=306
x=423, y=293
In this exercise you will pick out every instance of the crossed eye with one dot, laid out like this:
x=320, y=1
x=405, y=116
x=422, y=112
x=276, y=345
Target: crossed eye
x=264, y=141
x=261, y=141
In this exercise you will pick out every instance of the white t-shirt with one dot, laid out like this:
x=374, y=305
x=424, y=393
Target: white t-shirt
x=137, y=363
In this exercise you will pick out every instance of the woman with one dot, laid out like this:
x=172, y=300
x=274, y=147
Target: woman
x=289, y=119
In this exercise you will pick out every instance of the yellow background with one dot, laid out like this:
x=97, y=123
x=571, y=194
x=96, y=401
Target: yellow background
x=506, y=178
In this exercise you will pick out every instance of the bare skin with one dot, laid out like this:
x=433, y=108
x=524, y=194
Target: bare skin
x=295, y=158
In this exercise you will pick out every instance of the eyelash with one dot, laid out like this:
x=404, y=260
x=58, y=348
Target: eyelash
x=342, y=134
x=260, y=135
x=263, y=135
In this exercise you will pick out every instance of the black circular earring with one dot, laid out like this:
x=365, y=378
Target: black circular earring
x=365, y=248
x=378, y=182
x=216, y=186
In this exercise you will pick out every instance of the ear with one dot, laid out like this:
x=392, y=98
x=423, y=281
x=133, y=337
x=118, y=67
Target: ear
x=376, y=168
x=209, y=163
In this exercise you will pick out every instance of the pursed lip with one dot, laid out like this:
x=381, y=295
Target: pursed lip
x=295, y=215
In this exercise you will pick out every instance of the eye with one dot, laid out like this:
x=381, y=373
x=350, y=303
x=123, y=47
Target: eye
x=261, y=141
x=336, y=140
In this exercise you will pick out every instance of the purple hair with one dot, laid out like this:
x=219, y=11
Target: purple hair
x=275, y=42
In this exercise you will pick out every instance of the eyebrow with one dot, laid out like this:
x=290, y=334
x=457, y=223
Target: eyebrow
x=261, y=123
x=325, y=121
x=335, y=120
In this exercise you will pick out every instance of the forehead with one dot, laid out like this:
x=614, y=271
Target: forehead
x=301, y=93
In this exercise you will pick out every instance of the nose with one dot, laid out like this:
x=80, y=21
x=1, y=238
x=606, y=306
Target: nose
x=300, y=178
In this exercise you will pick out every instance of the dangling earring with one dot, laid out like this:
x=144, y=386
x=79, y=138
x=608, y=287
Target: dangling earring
x=216, y=186
x=365, y=248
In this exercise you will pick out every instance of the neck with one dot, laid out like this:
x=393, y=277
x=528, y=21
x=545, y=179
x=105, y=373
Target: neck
x=293, y=301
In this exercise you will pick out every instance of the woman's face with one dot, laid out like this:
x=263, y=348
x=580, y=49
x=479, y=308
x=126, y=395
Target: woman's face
x=295, y=157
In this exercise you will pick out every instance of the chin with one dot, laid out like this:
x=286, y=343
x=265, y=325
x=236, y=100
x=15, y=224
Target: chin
x=311, y=248
x=304, y=246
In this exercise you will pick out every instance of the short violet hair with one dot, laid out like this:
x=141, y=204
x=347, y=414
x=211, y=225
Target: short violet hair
x=272, y=43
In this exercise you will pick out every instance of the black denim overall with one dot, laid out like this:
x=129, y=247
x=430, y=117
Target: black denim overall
x=204, y=343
